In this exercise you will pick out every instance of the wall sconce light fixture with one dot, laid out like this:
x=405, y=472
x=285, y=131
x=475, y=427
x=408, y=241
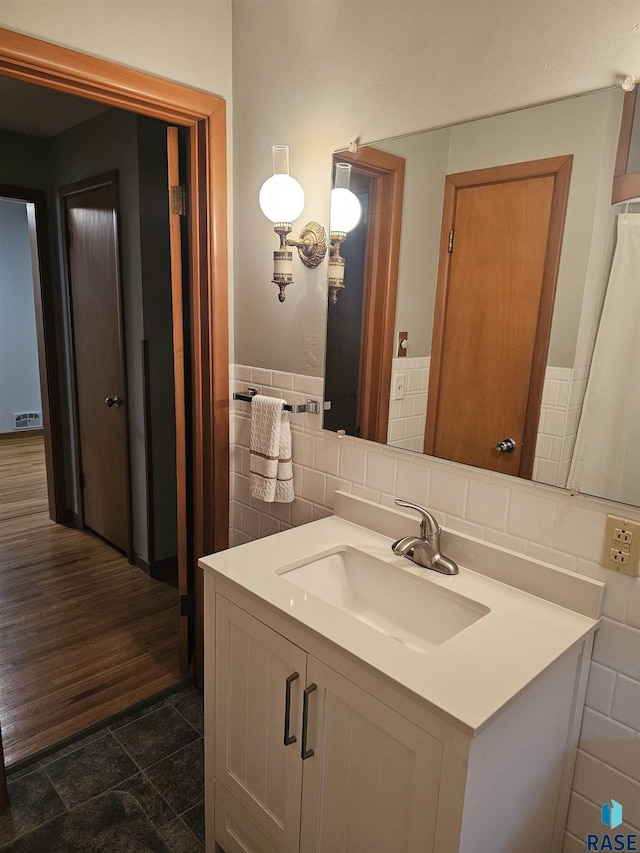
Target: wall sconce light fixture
x=345, y=214
x=282, y=201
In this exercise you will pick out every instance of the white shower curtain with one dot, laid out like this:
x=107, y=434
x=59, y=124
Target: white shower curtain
x=606, y=459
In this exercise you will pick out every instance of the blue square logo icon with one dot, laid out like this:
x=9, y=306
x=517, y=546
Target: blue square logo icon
x=612, y=814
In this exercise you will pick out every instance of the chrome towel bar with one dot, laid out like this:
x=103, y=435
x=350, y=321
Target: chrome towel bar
x=311, y=406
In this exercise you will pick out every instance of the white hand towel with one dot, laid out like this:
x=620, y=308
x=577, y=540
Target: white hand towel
x=271, y=471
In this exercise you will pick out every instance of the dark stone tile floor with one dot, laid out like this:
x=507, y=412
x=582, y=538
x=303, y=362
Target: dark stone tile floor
x=154, y=754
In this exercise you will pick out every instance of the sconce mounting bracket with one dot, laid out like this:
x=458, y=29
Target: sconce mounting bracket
x=312, y=245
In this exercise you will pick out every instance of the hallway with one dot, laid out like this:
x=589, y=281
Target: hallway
x=83, y=635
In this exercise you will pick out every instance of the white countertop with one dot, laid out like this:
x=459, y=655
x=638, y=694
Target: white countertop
x=469, y=677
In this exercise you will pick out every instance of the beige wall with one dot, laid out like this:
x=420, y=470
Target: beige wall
x=188, y=41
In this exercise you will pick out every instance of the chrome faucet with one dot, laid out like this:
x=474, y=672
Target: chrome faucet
x=424, y=550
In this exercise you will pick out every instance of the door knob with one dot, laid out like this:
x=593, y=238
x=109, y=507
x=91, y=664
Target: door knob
x=507, y=445
x=113, y=401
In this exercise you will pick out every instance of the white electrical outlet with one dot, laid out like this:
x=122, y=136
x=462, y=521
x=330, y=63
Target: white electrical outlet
x=621, y=545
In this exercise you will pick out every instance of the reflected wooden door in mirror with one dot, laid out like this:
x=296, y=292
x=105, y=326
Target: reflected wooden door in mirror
x=499, y=254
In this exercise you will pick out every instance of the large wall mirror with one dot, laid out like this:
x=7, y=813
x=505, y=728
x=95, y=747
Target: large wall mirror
x=474, y=293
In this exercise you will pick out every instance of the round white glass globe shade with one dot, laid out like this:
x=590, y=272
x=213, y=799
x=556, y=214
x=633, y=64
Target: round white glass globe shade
x=281, y=198
x=346, y=210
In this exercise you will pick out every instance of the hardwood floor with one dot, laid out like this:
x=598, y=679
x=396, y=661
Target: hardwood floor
x=83, y=635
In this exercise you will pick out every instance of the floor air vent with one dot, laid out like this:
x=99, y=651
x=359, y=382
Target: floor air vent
x=27, y=420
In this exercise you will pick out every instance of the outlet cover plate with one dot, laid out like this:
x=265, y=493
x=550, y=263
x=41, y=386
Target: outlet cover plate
x=621, y=545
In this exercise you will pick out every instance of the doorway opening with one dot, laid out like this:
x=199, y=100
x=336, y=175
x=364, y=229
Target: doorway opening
x=202, y=454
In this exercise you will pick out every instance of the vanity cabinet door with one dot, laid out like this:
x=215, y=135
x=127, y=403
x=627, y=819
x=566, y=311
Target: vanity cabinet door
x=255, y=681
x=372, y=784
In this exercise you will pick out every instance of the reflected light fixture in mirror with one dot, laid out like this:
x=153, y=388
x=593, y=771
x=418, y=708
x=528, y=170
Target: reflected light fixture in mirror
x=282, y=201
x=346, y=211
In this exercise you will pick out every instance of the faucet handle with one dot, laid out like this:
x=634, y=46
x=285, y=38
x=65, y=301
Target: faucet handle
x=428, y=524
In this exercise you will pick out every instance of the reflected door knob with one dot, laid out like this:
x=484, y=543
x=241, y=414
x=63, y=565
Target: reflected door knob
x=113, y=401
x=507, y=445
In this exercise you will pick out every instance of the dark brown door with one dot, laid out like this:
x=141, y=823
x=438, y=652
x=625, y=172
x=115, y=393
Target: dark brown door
x=101, y=401
x=493, y=311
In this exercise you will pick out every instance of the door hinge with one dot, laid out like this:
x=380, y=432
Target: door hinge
x=450, y=246
x=188, y=605
x=81, y=481
x=178, y=200
x=69, y=238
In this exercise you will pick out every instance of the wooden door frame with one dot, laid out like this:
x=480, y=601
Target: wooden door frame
x=43, y=294
x=386, y=174
x=626, y=185
x=45, y=64
x=559, y=168
x=78, y=187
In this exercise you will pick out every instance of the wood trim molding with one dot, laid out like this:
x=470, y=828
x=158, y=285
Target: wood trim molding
x=386, y=174
x=35, y=61
x=626, y=185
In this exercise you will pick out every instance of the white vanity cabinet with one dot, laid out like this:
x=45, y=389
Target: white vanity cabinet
x=327, y=731
x=368, y=780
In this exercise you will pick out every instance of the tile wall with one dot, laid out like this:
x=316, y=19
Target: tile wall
x=562, y=398
x=543, y=522
x=408, y=408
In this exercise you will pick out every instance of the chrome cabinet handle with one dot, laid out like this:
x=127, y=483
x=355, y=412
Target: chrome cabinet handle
x=113, y=401
x=304, y=752
x=288, y=738
x=507, y=445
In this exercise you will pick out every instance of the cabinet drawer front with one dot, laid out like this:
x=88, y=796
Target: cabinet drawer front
x=234, y=828
x=372, y=785
x=255, y=682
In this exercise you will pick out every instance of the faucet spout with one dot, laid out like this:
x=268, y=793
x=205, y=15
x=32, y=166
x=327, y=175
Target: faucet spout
x=424, y=550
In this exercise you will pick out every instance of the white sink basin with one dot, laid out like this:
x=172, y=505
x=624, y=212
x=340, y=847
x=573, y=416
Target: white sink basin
x=411, y=610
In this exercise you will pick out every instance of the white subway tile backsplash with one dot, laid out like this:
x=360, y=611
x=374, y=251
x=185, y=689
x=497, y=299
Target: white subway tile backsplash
x=327, y=456
x=305, y=384
x=301, y=512
x=283, y=380
x=600, y=688
x=625, y=707
x=314, y=485
x=618, y=647
x=366, y=493
x=582, y=813
x=487, y=504
x=578, y=531
x=616, y=745
x=381, y=472
x=259, y=376
x=353, y=462
x=412, y=482
x=554, y=422
x=268, y=525
x=632, y=617
x=303, y=450
x=530, y=517
x=448, y=492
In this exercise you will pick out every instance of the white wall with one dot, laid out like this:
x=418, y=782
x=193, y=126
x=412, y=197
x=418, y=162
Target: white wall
x=19, y=374
x=370, y=70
